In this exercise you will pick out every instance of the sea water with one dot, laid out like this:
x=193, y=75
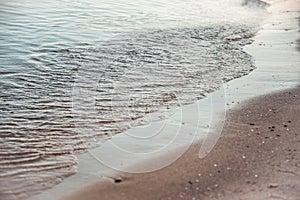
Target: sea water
x=73, y=73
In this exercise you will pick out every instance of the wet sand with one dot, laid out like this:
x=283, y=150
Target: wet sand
x=257, y=157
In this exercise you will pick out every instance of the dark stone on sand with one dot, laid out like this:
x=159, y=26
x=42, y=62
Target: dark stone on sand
x=252, y=124
x=190, y=182
x=118, y=180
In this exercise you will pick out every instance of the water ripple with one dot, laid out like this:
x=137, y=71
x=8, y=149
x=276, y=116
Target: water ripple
x=78, y=73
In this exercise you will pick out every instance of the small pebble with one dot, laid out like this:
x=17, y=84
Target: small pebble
x=118, y=180
x=273, y=185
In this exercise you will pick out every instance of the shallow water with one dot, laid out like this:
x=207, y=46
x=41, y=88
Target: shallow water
x=73, y=74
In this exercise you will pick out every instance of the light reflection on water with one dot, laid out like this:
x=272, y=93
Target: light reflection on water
x=139, y=57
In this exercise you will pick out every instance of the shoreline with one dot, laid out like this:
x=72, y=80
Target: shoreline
x=268, y=40
x=257, y=157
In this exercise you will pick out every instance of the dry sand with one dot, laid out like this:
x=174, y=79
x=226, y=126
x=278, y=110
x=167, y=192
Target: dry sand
x=257, y=157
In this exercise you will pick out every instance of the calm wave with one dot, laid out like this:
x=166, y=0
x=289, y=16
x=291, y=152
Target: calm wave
x=76, y=73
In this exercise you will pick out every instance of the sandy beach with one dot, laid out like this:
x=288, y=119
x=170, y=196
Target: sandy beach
x=257, y=155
